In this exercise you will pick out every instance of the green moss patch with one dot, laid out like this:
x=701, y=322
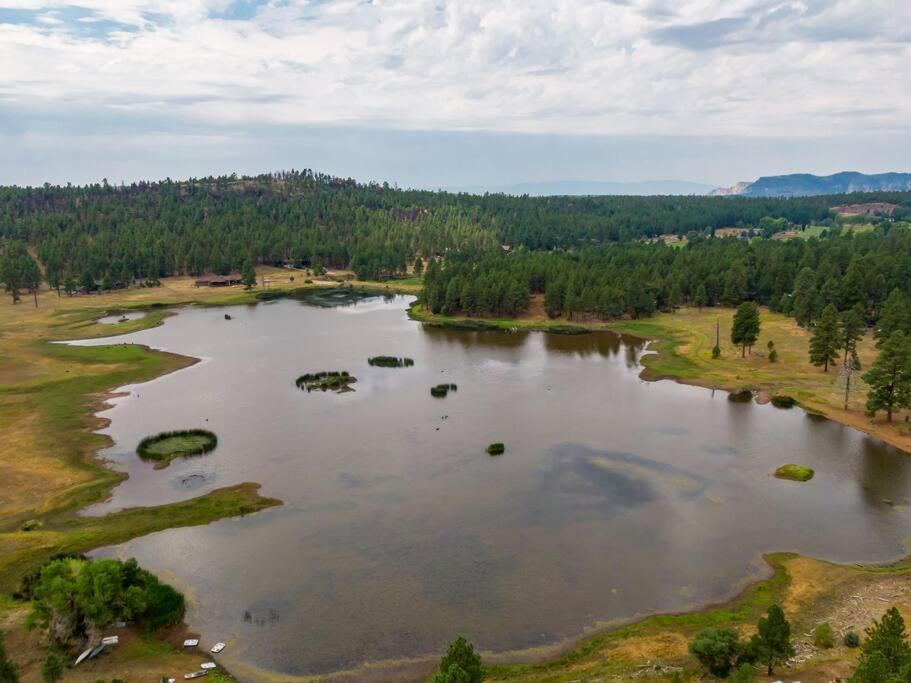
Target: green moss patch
x=338, y=381
x=164, y=447
x=496, y=449
x=794, y=472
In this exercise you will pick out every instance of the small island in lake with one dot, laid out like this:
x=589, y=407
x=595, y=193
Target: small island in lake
x=496, y=449
x=390, y=362
x=326, y=380
x=794, y=472
x=441, y=390
x=166, y=446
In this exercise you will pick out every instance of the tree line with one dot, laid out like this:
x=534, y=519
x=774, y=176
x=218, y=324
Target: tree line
x=112, y=236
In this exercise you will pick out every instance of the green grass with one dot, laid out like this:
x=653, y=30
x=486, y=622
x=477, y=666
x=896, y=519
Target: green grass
x=794, y=472
x=417, y=312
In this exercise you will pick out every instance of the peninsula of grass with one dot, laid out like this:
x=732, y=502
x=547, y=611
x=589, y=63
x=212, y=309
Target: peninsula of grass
x=794, y=472
x=165, y=447
x=442, y=390
x=326, y=380
x=496, y=449
x=390, y=362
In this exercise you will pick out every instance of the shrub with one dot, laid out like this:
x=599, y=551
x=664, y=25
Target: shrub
x=30, y=525
x=745, y=673
x=716, y=649
x=783, y=402
x=52, y=669
x=852, y=639
x=496, y=448
x=823, y=636
x=744, y=396
x=461, y=664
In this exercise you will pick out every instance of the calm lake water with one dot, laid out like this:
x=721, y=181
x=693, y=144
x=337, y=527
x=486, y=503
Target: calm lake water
x=615, y=496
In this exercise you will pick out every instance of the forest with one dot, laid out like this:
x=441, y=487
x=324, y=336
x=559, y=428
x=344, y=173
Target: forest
x=590, y=257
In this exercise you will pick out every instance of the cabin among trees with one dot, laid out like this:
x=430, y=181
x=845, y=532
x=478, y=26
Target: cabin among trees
x=219, y=280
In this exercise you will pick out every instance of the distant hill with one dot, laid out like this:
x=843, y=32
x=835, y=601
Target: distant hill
x=591, y=188
x=806, y=184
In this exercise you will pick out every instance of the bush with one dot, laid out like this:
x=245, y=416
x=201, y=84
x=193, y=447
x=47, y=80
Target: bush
x=496, y=448
x=461, y=664
x=852, y=639
x=823, y=636
x=783, y=402
x=716, y=649
x=744, y=396
x=745, y=673
x=52, y=669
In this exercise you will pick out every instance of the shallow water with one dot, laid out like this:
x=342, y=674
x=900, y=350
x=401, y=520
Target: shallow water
x=121, y=317
x=615, y=497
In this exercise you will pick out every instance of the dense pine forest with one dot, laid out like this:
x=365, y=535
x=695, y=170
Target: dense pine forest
x=590, y=257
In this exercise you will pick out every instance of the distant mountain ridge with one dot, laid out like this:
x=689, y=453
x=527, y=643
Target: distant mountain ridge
x=591, y=188
x=807, y=184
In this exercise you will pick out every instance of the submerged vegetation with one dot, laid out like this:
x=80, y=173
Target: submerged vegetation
x=442, y=390
x=390, y=362
x=166, y=446
x=496, y=448
x=794, y=472
x=326, y=380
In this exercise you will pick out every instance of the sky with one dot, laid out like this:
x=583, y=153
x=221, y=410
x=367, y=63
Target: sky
x=444, y=93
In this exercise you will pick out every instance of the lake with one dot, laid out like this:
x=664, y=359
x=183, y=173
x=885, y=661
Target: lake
x=615, y=497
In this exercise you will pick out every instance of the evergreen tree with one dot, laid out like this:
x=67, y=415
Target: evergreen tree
x=18, y=269
x=735, y=284
x=716, y=649
x=889, y=378
x=701, y=299
x=745, y=328
x=804, y=298
x=851, y=331
x=248, y=275
x=826, y=340
x=8, y=670
x=772, y=643
x=460, y=664
x=885, y=654
x=894, y=316
x=52, y=669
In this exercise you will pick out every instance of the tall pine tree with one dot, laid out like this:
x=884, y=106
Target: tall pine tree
x=826, y=340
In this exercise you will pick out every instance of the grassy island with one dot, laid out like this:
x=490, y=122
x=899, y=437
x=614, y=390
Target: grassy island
x=794, y=472
x=496, y=448
x=165, y=447
x=442, y=390
x=326, y=380
x=390, y=362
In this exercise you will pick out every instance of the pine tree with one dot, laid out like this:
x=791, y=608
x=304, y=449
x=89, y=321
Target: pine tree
x=889, y=378
x=701, y=299
x=894, y=316
x=745, y=328
x=885, y=651
x=825, y=342
x=804, y=298
x=735, y=284
x=851, y=331
x=248, y=275
x=772, y=643
x=461, y=664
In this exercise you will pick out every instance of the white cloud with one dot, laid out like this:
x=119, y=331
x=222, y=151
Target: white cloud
x=641, y=67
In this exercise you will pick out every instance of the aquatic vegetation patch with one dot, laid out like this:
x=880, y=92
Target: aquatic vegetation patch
x=783, y=402
x=390, y=362
x=744, y=396
x=326, y=380
x=441, y=390
x=164, y=447
x=794, y=472
x=496, y=448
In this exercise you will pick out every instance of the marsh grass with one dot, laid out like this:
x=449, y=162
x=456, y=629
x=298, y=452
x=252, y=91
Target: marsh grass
x=326, y=380
x=165, y=447
x=390, y=362
x=442, y=390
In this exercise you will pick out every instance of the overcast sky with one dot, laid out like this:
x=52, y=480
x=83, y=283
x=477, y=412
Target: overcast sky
x=450, y=93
